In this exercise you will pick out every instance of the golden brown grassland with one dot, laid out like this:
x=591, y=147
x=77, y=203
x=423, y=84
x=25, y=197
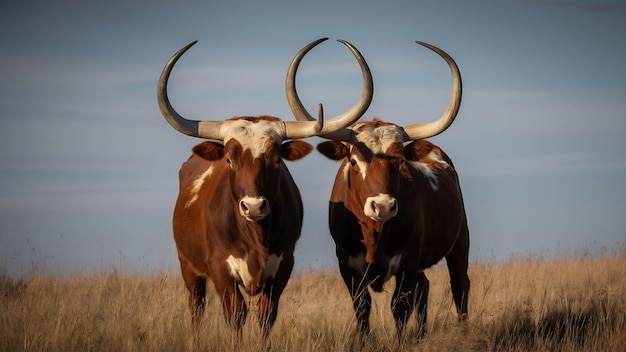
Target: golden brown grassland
x=572, y=303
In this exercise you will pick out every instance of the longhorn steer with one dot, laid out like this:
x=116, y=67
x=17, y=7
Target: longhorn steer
x=239, y=213
x=396, y=210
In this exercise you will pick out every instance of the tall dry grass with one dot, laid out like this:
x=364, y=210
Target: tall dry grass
x=575, y=302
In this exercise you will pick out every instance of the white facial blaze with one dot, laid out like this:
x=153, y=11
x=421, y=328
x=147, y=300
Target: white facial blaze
x=379, y=139
x=196, y=186
x=252, y=136
x=271, y=265
x=346, y=170
x=361, y=164
x=239, y=270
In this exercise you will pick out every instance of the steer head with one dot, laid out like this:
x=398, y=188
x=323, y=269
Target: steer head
x=254, y=147
x=376, y=159
x=371, y=167
x=253, y=152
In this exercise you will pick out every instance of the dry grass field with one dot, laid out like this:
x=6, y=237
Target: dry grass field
x=573, y=303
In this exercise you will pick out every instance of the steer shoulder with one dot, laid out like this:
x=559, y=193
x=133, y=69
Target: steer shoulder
x=430, y=161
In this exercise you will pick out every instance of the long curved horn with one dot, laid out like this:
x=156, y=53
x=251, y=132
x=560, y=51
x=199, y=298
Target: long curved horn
x=429, y=129
x=202, y=129
x=212, y=129
x=337, y=124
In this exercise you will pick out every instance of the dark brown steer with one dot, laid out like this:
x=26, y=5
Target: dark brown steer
x=396, y=210
x=239, y=213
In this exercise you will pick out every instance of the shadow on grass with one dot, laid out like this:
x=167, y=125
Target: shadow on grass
x=560, y=328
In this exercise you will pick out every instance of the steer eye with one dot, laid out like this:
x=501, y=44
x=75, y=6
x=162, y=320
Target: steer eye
x=352, y=162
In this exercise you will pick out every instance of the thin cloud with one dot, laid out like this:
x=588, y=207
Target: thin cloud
x=597, y=6
x=548, y=164
x=88, y=202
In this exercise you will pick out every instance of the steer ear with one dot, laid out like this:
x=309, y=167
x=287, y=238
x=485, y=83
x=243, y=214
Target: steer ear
x=295, y=150
x=210, y=151
x=333, y=150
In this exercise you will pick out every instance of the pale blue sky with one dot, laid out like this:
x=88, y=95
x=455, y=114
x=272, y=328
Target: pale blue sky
x=88, y=166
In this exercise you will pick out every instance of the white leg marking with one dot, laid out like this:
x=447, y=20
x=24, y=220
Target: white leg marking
x=196, y=186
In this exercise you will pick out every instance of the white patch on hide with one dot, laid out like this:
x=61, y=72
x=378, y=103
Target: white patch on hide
x=239, y=270
x=346, y=170
x=361, y=164
x=437, y=158
x=425, y=170
x=252, y=136
x=196, y=186
x=379, y=139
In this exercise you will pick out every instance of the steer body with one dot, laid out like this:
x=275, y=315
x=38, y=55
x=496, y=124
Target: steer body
x=396, y=210
x=237, y=219
x=239, y=213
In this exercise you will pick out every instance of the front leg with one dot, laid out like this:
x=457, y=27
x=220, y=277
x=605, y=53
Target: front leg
x=353, y=273
x=411, y=291
x=196, y=285
x=457, y=261
x=233, y=303
x=272, y=290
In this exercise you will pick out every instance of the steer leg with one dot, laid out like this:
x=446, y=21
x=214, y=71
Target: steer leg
x=362, y=303
x=422, y=288
x=457, y=261
x=268, y=302
x=411, y=291
x=361, y=298
x=196, y=285
x=233, y=304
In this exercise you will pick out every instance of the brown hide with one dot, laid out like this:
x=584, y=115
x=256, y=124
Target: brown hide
x=237, y=219
x=394, y=211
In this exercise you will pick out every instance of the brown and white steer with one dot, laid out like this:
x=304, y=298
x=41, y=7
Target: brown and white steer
x=239, y=213
x=396, y=210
